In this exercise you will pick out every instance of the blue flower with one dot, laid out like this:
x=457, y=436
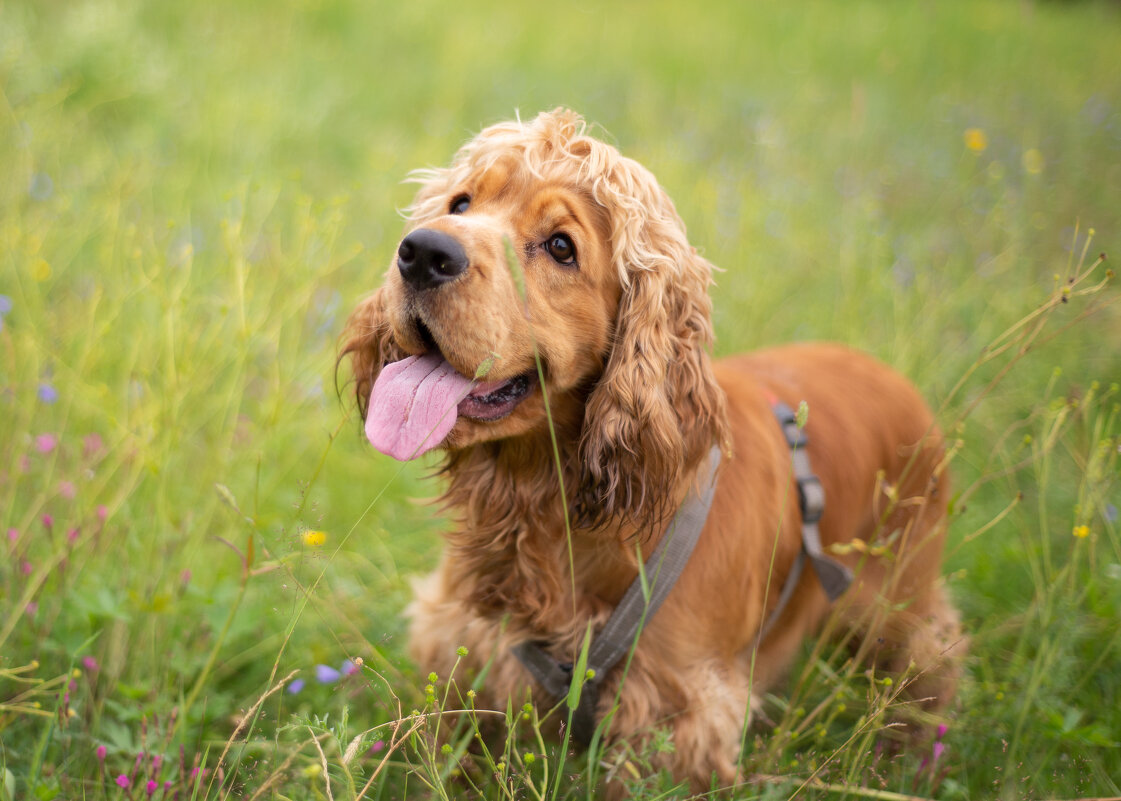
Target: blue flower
x=325, y=674
x=296, y=685
x=47, y=393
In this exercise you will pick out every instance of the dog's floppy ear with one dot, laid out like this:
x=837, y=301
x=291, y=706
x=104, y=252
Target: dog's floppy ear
x=367, y=340
x=657, y=408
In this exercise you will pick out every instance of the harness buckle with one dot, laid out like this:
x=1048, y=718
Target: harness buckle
x=811, y=498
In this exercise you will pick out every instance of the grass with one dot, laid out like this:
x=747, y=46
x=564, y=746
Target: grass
x=196, y=194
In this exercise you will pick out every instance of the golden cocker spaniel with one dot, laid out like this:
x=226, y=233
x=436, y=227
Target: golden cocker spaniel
x=546, y=293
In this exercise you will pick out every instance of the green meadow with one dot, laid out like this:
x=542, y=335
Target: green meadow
x=203, y=565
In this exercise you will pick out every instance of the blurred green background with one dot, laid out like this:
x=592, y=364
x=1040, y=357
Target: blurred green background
x=194, y=195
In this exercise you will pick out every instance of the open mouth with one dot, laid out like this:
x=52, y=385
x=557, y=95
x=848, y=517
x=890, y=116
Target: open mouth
x=493, y=400
x=415, y=402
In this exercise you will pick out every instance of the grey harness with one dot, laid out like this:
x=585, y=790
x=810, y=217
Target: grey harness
x=661, y=571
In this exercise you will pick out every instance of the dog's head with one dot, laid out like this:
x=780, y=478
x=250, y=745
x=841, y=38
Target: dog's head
x=543, y=265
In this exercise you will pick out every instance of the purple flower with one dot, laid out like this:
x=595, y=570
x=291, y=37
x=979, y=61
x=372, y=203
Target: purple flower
x=296, y=685
x=326, y=675
x=45, y=443
x=101, y=750
x=151, y=787
x=349, y=668
x=122, y=781
x=5, y=305
x=936, y=754
x=47, y=392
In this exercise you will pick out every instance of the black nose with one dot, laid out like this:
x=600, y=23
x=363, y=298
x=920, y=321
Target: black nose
x=428, y=258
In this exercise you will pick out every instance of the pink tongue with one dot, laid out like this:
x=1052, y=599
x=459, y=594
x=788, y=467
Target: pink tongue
x=413, y=405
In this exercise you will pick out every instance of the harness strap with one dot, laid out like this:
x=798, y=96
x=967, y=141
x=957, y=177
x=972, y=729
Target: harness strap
x=664, y=567
x=835, y=577
x=620, y=632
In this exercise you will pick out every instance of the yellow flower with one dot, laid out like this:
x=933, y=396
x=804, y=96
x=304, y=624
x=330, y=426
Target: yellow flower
x=1033, y=161
x=40, y=270
x=976, y=140
x=1081, y=532
x=314, y=539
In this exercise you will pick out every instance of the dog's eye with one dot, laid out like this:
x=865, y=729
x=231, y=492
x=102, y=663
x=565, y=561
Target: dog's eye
x=460, y=205
x=560, y=247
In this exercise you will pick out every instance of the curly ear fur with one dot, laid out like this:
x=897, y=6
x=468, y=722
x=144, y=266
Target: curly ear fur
x=657, y=409
x=368, y=341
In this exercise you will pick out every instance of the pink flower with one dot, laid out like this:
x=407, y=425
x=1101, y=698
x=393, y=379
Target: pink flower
x=67, y=490
x=48, y=522
x=939, y=749
x=941, y=732
x=13, y=534
x=376, y=746
x=102, y=512
x=349, y=668
x=45, y=443
x=101, y=750
x=72, y=535
x=26, y=568
x=90, y=664
x=91, y=445
x=152, y=786
x=122, y=781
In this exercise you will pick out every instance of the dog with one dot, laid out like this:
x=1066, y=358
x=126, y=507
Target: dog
x=547, y=325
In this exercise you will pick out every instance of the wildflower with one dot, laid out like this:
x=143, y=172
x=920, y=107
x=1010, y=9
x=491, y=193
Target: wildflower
x=102, y=512
x=101, y=751
x=40, y=270
x=47, y=393
x=72, y=535
x=296, y=685
x=122, y=781
x=13, y=534
x=349, y=668
x=26, y=568
x=325, y=674
x=1033, y=161
x=151, y=787
x=45, y=443
x=48, y=522
x=5, y=306
x=67, y=490
x=41, y=187
x=90, y=664
x=314, y=539
x=377, y=746
x=975, y=140
x=92, y=445
x=1081, y=532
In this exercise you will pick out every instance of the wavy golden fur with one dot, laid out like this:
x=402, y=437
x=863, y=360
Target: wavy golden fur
x=623, y=333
